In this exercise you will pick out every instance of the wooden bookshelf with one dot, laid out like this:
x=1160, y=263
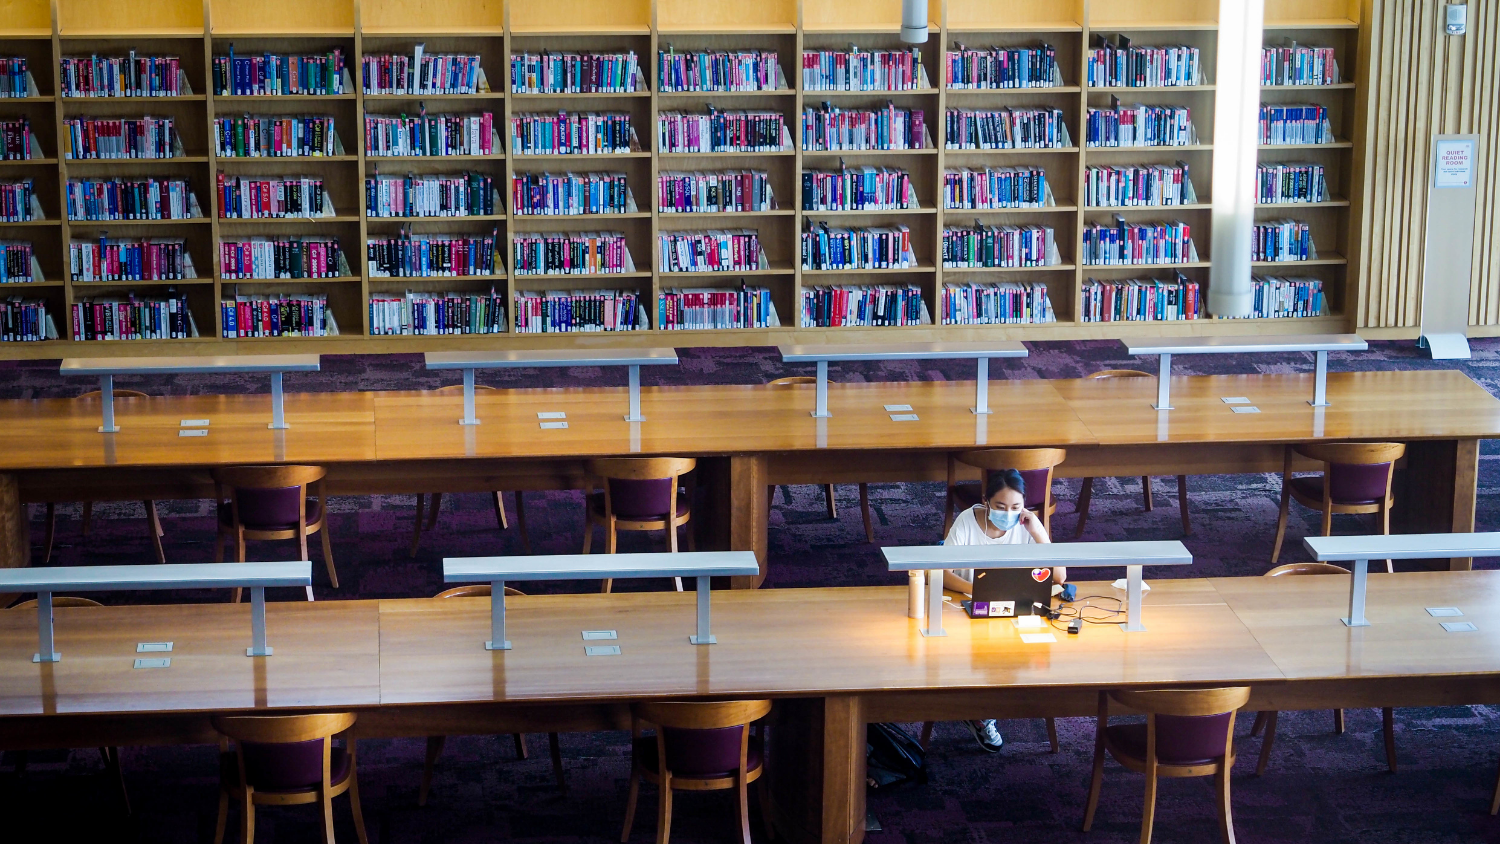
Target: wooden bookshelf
x=196, y=31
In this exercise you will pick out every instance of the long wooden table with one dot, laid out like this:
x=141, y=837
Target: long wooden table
x=748, y=437
x=835, y=658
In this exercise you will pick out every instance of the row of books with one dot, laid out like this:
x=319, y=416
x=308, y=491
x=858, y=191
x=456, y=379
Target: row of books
x=1119, y=64
x=709, y=251
x=275, y=136
x=578, y=311
x=125, y=259
x=714, y=192
x=277, y=315
x=739, y=70
x=1287, y=182
x=276, y=75
x=121, y=76
x=564, y=133
x=709, y=309
x=430, y=134
x=1141, y=126
x=864, y=188
x=720, y=131
x=15, y=262
x=25, y=321
x=1140, y=300
x=437, y=313
x=421, y=73
x=463, y=195
x=1002, y=303
x=873, y=248
x=571, y=253
x=130, y=318
x=1282, y=240
x=1167, y=242
x=574, y=73
x=433, y=255
x=15, y=79
x=1298, y=65
x=103, y=137
x=282, y=257
x=1302, y=123
x=16, y=140
x=17, y=201
x=852, y=305
x=570, y=194
x=998, y=246
x=130, y=199
x=828, y=128
x=863, y=70
x=1282, y=298
x=1006, y=128
x=272, y=197
x=995, y=187
x=1138, y=185
x=1002, y=67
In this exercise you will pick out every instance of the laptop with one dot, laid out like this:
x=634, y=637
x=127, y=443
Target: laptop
x=1008, y=593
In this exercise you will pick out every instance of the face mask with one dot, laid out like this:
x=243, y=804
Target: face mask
x=1004, y=519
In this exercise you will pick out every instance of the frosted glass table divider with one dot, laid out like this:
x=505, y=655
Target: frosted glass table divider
x=1131, y=555
x=980, y=352
x=468, y=362
x=254, y=576
x=1320, y=344
x=1360, y=550
x=107, y=368
x=497, y=571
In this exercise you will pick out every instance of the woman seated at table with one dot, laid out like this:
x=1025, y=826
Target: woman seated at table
x=1001, y=519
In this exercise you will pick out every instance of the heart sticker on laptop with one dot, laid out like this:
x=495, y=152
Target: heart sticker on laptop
x=1041, y=575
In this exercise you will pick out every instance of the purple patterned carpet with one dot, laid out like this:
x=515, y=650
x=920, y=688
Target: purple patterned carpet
x=1320, y=786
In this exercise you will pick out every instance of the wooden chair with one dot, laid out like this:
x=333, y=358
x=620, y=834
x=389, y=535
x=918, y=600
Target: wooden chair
x=153, y=522
x=833, y=512
x=697, y=747
x=1086, y=494
x=1267, y=720
x=1356, y=478
x=1034, y=464
x=437, y=499
x=286, y=760
x=639, y=493
x=272, y=502
x=435, y=743
x=1188, y=733
x=110, y=755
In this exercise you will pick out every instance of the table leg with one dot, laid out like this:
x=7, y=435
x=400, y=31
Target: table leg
x=1164, y=384
x=635, y=395
x=749, y=513
x=821, y=410
x=45, y=642
x=705, y=635
x=1357, y=584
x=1133, y=622
x=468, y=399
x=258, y=646
x=1436, y=493
x=817, y=780
x=497, y=641
x=107, y=404
x=278, y=404
x=982, y=387
x=15, y=528
x=934, y=625
x=1320, y=382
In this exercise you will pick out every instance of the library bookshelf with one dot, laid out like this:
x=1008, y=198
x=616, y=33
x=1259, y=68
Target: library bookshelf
x=196, y=31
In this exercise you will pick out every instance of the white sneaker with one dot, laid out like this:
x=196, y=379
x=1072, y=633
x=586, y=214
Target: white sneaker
x=985, y=733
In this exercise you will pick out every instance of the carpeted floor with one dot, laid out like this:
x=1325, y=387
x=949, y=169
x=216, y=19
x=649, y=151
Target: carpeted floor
x=1320, y=786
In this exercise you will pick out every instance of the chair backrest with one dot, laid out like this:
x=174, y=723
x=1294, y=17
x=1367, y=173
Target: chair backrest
x=474, y=590
x=93, y=395
x=792, y=381
x=1355, y=472
x=1187, y=724
x=459, y=388
x=641, y=487
x=57, y=602
x=1306, y=568
x=1034, y=464
x=1121, y=373
x=284, y=752
x=702, y=738
x=266, y=496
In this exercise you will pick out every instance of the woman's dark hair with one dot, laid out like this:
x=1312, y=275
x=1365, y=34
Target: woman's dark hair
x=1004, y=479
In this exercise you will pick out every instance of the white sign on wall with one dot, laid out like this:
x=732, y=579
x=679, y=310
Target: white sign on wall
x=1454, y=167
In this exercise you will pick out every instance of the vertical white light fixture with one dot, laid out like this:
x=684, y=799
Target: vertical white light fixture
x=1236, y=140
x=914, y=21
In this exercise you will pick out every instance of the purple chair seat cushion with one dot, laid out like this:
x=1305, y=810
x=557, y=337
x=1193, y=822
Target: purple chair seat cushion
x=293, y=768
x=1180, y=739
x=1312, y=487
x=274, y=518
x=700, y=754
x=596, y=506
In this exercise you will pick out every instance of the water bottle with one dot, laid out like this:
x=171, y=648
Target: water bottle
x=916, y=594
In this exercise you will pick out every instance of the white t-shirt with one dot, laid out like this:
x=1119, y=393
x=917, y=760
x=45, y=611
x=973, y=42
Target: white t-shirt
x=966, y=531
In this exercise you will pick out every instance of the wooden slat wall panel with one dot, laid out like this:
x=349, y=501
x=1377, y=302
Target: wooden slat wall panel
x=1423, y=82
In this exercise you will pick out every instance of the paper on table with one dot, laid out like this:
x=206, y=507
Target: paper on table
x=1037, y=638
